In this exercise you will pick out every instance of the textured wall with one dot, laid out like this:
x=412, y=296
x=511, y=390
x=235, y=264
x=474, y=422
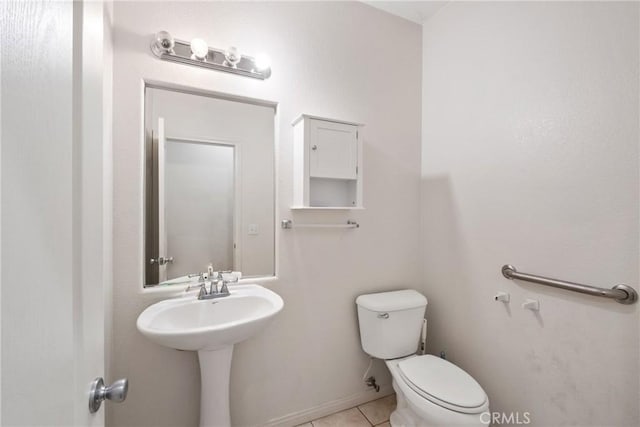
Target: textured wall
x=530, y=157
x=329, y=59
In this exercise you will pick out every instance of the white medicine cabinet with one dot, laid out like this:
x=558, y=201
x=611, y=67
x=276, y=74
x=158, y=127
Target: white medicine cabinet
x=327, y=155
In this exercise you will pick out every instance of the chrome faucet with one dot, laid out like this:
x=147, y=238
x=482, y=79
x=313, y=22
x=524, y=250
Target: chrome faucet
x=214, y=292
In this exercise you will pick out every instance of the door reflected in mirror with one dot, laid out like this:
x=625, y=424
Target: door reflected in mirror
x=209, y=186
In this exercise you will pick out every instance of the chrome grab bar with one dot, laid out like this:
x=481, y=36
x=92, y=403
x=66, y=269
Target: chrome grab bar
x=621, y=293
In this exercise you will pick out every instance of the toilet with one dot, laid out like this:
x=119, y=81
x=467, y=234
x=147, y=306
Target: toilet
x=430, y=391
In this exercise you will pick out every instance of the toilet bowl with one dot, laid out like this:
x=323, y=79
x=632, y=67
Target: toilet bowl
x=434, y=392
x=430, y=391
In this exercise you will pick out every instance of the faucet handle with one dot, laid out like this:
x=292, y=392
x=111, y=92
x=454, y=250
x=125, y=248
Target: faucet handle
x=203, y=291
x=200, y=276
x=224, y=289
x=230, y=276
x=191, y=286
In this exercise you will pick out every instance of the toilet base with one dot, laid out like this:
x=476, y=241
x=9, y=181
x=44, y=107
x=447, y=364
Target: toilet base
x=422, y=413
x=403, y=416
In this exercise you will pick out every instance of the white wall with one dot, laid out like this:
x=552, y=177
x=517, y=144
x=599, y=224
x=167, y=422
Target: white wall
x=530, y=157
x=328, y=59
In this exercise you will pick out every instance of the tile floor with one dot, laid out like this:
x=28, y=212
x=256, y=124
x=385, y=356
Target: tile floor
x=374, y=413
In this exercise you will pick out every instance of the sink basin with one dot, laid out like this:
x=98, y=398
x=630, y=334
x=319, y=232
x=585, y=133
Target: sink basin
x=190, y=324
x=211, y=327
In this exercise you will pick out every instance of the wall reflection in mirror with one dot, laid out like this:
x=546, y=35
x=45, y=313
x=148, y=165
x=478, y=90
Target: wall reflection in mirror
x=209, y=186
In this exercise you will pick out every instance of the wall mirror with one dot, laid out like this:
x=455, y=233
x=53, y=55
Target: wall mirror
x=209, y=185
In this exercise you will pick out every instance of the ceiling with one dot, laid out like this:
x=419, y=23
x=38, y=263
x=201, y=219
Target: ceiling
x=416, y=11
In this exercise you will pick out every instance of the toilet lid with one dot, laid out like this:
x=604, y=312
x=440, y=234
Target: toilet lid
x=442, y=382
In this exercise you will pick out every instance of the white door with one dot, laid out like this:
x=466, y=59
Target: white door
x=334, y=150
x=199, y=223
x=55, y=211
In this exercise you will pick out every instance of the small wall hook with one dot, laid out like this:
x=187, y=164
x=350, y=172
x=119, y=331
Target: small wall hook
x=531, y=304
x=502, y=297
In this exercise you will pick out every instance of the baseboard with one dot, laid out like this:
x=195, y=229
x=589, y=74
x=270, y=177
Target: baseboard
x=306, y=415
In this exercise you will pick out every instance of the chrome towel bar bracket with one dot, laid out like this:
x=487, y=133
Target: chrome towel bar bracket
x=621, y=293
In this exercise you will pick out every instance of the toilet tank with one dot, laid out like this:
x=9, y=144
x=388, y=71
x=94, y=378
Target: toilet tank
x=390, y=322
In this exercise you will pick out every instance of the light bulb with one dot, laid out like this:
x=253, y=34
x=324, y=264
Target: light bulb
x=162, y=43
x=262, y=62
x=199, y=49
x=232, y=56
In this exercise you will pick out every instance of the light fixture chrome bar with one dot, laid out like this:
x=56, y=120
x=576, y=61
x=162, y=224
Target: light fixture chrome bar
x=288, y=224
x=215, y=60
x=621, y=293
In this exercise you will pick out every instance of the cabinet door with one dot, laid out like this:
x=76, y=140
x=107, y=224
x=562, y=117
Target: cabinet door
x=333, y=150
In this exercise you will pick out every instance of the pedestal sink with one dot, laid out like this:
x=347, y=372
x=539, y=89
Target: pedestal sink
x=211, y=327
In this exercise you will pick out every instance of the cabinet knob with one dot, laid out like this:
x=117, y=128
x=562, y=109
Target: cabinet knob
x=315, y=147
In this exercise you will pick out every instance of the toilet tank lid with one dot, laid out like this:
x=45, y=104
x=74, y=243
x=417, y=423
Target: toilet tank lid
x=392, y=301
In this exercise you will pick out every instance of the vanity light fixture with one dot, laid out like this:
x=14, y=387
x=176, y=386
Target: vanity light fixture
x=198, y=53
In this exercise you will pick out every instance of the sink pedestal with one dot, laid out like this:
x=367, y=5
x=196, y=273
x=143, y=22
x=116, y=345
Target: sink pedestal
x=215, y=370
x=211, y=328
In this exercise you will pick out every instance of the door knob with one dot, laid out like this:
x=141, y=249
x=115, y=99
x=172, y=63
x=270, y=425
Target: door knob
x=116, y=392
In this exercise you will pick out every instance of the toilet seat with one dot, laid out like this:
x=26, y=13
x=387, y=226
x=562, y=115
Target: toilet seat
x=443, y=384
